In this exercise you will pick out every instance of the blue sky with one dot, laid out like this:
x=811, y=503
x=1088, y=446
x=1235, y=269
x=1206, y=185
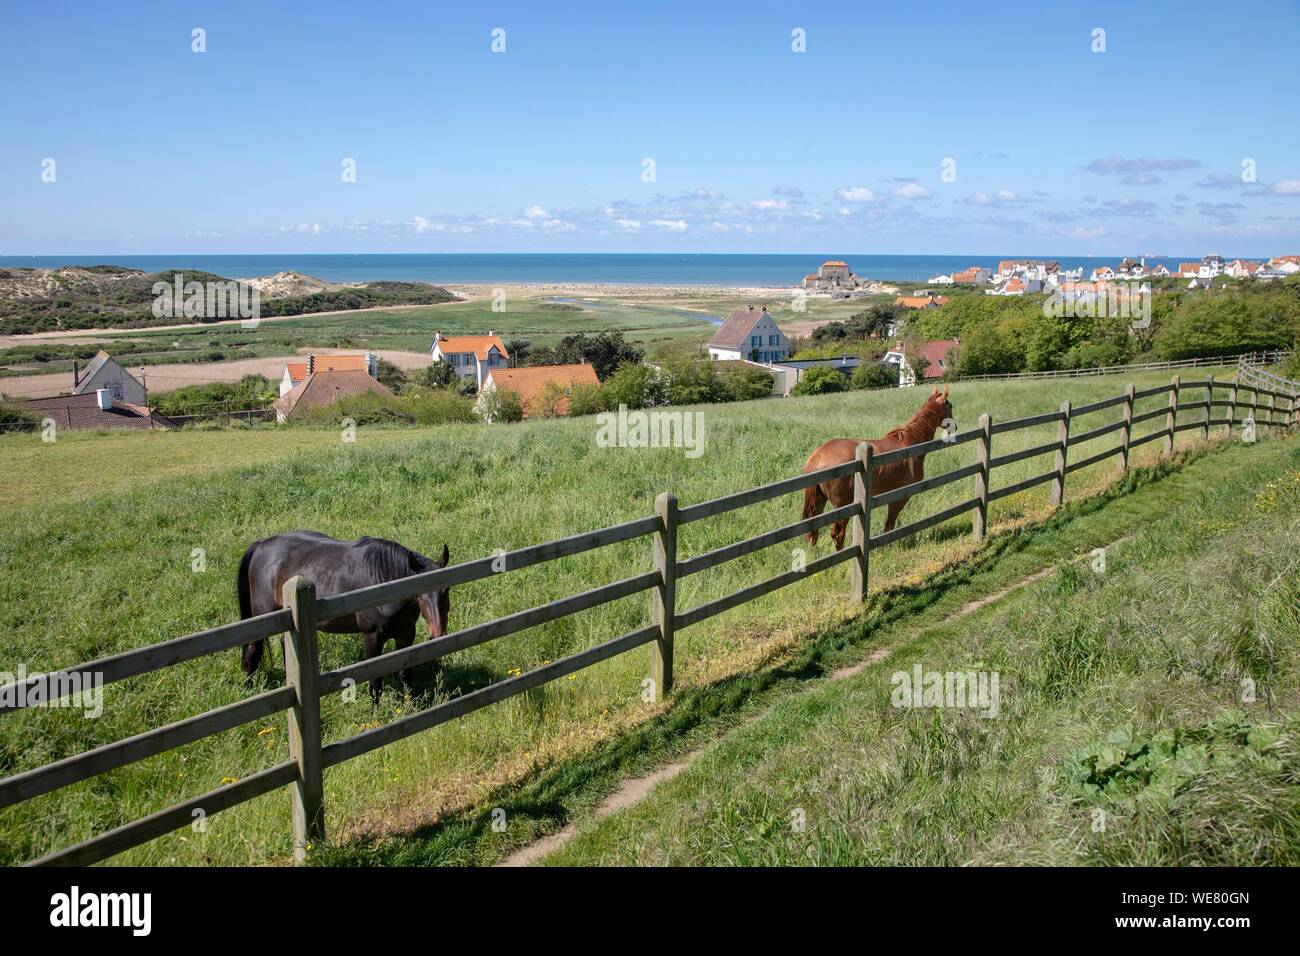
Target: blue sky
x=756, y=148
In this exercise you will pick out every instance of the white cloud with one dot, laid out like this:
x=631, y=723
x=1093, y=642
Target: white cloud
x=672, y=225
x=535, y=212
x=1285, y=187
x=855, y=194
x=1083, y=232
x=630, y=224
x=420, y=224
x=910, y=191
x=768, y=204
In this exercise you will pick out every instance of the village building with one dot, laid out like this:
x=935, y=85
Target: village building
x=749, y=334
x=299, y=371
x=1027, y=269
x=471, y=356
x=934, y=353
x=832, y=275
x=1241, y=268
x=975, y=275
x=921, y=301
x=543, y=390
x=320, y=389
x=104, y=371
x=94, y=410
x=1210, y=267
x=1102, y=272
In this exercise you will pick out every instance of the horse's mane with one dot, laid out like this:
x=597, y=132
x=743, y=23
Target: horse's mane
x=920, y=427
x=390, y=560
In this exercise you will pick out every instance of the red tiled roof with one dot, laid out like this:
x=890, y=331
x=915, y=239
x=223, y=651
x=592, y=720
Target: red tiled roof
x=478, y=344
x=835, y=262
x=530, y=383
x=935, y=353
x=322, y=388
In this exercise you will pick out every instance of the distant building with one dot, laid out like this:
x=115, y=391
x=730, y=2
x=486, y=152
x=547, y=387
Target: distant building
x=749, y=334
x=1026, y=269
x=1103, y=272
x=470, y=356
x=97, y=410
x=104, y=371
x=972, y=276
x=299, y=371
x=935, y=353
x=833, y=274
x=921, y=301
x=324, y=388
x=533, y=384
x=1241, y=268
x=940, y=280
x=1211, y=266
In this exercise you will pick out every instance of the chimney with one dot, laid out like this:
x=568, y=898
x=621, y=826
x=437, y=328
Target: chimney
x=105, y=398
x=76, y=373
x=751, y=308
x=438, y=336
x=492, y=331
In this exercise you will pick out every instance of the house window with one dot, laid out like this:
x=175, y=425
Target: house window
x=755, y=341
x=771, y=340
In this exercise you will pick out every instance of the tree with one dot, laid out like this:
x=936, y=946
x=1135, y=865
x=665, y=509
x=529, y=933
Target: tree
x=635, y=386
x=435, y=375
x=875, y=375
x=742, y=383
x=820, y=380
x=501, y=405
x=985, y=351
x=606, y=351
x=390, y=376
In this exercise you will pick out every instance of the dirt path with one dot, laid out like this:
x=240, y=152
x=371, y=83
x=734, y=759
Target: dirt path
x=632, y=790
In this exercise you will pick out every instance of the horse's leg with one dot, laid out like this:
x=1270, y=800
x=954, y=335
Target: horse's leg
x=404, y=639
x=892, y=515
x=373, y=646
x=252, y=658
x=837, y=534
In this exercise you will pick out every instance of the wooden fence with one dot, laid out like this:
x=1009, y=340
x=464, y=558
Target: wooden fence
x=1245, y=359
x=310, y=755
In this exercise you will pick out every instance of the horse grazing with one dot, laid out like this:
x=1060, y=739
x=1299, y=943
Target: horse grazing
x=335, y=567
x=920, y=428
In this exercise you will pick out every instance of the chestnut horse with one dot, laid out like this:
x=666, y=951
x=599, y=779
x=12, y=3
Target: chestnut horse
x=920, y=428
x=335, y=567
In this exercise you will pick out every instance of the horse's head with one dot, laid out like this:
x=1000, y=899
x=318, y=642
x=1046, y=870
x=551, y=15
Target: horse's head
x=942, y=405
x=434, y=605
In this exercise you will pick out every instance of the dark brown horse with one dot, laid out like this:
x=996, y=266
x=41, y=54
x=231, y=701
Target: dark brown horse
x=920, y=428
x=335, y=567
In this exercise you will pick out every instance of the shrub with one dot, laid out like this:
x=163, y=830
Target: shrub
x=743, y=384
x=587, y=399
x=635, y=386
x=501, y=405
x=875, y=375
x=820, y=380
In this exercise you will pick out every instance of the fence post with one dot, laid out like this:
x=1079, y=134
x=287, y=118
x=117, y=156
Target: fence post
x=1171, y=418
x=663, y=599
x=1209, y=408
x=1063, y=437
x=1126, y=435
x=861, y=525
x=1270, y=411
x=302, y=672
x=982, y=450
x=1254, y=406
x=1232, y=406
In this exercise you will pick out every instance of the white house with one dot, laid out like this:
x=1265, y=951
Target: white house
x=749, y=334
x=470, y=356
x=940, y=280
x=1103, y=272
x=1241, y=268
x=295, y=373
x=105, y=372
x=1211, y=266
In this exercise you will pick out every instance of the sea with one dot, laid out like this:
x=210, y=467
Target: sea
x=566, y=268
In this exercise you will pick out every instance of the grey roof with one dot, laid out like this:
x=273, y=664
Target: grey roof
x=83, y=411
x=95, y=365
x=733, y=333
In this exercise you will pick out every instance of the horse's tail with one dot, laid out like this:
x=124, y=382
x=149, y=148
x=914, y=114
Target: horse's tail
x=245, y=589
x=813, y=503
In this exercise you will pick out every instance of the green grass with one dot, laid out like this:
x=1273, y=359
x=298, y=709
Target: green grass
x=1122, y=737
x=408, y=329
x=96, y=557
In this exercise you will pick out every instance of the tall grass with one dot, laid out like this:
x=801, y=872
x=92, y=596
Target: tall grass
x=85, y=573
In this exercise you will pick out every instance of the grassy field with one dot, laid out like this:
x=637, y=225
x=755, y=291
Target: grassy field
x=1121, y=737
x=403, y=329
x=95, y=558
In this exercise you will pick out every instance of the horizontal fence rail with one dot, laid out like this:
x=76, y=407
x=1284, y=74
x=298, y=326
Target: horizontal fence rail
x=1255, y=398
